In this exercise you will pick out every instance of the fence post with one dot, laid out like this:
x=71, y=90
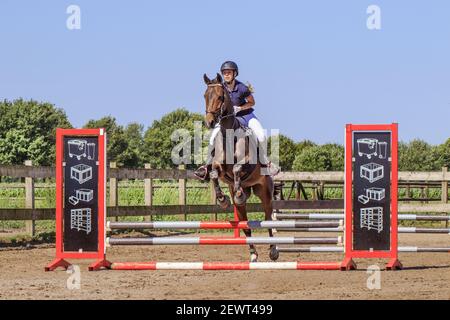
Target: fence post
x=314, y=191
x=182, y=190
x=444, y=193
x=30, y=225
x=298, y=195
x=148, y=192
x=444, y=189
x=213, y=199
x=113, y=189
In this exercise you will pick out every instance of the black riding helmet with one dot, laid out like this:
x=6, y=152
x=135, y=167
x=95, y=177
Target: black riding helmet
x=229, y=65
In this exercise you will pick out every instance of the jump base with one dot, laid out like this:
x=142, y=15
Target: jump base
x=58, y=262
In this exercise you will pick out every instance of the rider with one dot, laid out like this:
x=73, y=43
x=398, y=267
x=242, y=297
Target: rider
x=243, y=103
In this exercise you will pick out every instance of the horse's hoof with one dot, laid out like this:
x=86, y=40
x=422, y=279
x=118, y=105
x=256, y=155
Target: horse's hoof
x=239, y=200
x=224, y=202
x=274, y=254
x=253, y=257
x=239, y=197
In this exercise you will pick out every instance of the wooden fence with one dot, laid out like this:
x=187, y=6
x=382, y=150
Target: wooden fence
x=297, y=198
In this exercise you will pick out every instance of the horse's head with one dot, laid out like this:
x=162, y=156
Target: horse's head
x=214, y=100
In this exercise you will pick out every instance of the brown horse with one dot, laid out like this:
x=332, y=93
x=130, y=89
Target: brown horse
x=234, y=161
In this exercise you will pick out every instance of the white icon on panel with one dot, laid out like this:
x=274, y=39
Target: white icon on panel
x=376, y=194
x=372, y=218
x=367, y=147
x=363, y=199
x=84, y=195
x=372, y=172
x=81, y=173
x=91, y=151
x=81, y=149
x=370, y=147
x=382, y=150
x=77, y=148
x=80, y=219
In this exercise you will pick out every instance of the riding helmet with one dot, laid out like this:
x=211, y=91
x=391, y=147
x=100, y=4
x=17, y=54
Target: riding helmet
x=229, y=65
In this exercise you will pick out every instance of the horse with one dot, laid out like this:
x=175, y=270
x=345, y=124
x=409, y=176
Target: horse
x=242, y=173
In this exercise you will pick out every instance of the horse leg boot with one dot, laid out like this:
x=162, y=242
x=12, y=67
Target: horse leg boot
x=203, y=172
x=239, y=194
x=222, y=199
x=253, y=252
x=242, y=215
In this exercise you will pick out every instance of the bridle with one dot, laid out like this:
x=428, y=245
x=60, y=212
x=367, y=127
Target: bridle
x=218, y=115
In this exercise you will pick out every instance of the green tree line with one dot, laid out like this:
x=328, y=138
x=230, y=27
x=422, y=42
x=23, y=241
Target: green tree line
x=28, y=132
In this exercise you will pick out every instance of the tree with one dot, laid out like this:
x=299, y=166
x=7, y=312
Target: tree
x=443, y=154
x=117, y=144
x=158, y=144
x=28, y=131
x=418, y=155
x=134, y=135
x=286, y=154
x=328, y=157
x=300, y=146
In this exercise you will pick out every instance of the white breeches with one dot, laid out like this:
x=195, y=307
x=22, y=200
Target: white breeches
x=253, y=124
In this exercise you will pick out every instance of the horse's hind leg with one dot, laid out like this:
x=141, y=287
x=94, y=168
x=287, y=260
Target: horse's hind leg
x=242, y=214
x=265, y=193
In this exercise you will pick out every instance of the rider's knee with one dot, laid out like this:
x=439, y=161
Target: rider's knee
x=214, y=134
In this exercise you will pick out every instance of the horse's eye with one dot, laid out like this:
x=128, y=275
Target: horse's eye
x=221, y=98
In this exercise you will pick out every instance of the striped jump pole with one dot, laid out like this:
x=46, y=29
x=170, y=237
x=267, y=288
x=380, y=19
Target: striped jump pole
x=400, y=230
x=337, y=216
x=341, y=249
x=222, y=224
x=220, y=241
x=226, y=266
x=423, y=230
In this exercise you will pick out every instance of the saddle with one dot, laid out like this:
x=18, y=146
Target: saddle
x=243, y=124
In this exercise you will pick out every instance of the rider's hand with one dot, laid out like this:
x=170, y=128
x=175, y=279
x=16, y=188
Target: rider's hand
x=237, y=109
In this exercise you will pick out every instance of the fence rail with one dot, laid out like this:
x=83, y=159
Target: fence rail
x=316, y=181
x=18, y=171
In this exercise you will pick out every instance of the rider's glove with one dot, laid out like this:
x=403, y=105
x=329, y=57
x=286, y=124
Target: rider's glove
x=237, y=109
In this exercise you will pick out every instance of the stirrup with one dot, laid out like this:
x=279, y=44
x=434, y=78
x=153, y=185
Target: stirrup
x=269, y=167
x=205, y=176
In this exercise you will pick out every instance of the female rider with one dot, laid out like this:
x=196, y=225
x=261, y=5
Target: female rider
x=243, y=103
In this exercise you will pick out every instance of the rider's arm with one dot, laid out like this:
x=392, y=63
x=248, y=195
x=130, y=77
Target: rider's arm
x=250, y=103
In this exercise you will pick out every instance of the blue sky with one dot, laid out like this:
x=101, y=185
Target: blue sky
x=314, y=64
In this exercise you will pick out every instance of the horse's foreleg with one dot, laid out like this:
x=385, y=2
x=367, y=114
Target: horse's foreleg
x=222, y=198
x=239, y=194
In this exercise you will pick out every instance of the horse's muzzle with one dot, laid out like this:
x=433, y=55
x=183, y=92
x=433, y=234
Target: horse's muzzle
x=210, y=124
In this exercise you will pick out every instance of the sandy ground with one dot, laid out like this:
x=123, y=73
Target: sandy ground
x=425, y=276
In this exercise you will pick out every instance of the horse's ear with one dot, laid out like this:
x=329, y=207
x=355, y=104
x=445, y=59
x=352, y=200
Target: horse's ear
x=219, y=78
x=206, y=79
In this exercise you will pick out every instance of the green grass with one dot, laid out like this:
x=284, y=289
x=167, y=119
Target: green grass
x=131, y=193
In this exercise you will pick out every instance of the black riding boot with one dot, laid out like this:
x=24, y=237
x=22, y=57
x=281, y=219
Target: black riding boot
x=267, y=167
x=203, y=171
